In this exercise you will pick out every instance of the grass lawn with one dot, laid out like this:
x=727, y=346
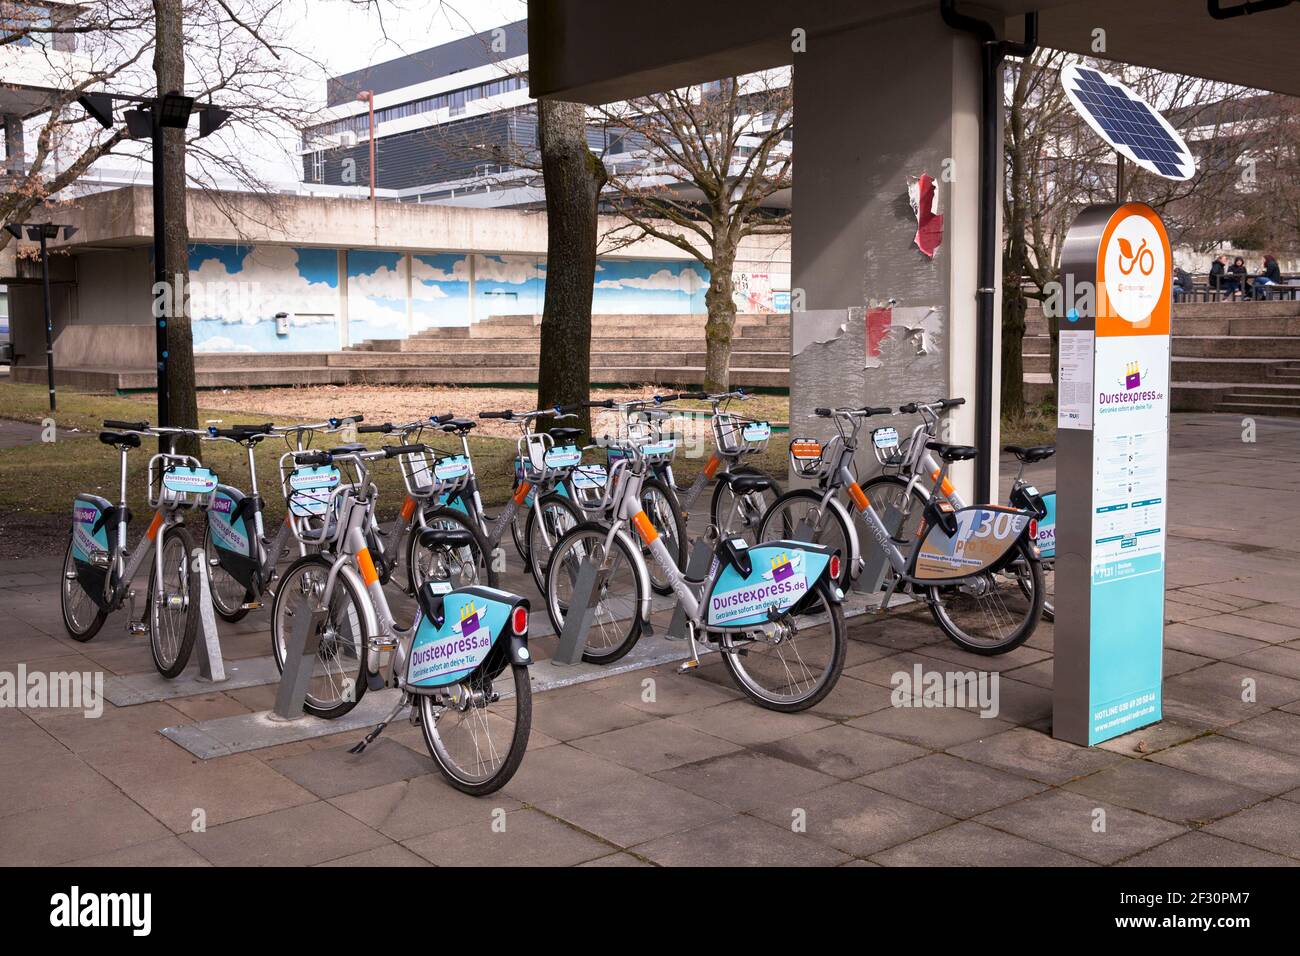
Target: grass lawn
x=40, y=480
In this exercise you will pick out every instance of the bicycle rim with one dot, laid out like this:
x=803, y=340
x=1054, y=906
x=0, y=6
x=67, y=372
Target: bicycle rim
x=169, y=612
x=81, y=614
x=479, y=736
x=792, y=664
x=991, y=613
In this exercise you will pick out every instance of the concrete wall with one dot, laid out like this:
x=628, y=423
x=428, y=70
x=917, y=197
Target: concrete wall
x=911, y=107
x=342, y=281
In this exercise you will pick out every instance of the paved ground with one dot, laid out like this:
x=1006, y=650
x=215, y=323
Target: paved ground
x=700, y=776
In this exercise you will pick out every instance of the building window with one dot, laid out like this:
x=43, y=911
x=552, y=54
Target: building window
x=318, y=166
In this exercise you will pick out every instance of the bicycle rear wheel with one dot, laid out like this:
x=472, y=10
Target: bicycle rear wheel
x=991, y=613
x=82, y=615
x=791, y=664
x=228, y=595
x=338, y=679
x=478, y=736
x=462, y=565
x=743, y=513
x=173, y=614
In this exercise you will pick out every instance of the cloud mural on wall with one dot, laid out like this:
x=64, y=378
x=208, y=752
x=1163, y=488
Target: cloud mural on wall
x=439, y=290
x=376, y=295
x=648, y=286
x=508, y=285
x=235, y=292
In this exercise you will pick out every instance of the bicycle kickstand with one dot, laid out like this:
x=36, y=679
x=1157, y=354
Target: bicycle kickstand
x=371, y=737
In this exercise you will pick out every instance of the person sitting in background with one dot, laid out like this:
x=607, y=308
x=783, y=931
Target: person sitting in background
x=1183, y=285
x=1236, y=281
x=1218, y=274
x=1272, y=275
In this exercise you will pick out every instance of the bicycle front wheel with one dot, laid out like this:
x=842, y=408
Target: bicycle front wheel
x=616, y=601
x=991, y=613
x=741, y=515
x=557, y=517
x=338, y=678
x=793, y=510
x=792, y=663
x=173, y=612
x=478, y=731
x=665, y=513
x=462, y=565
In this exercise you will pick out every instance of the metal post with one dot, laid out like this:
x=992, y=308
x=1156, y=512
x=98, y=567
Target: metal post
x=573, y=638
x=160, y=272
x=211, y=664
x=49, y=318
x=1119, y=177
x=299, y=662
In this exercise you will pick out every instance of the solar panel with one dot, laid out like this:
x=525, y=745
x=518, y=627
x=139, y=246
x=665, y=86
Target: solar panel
x=1128, y=122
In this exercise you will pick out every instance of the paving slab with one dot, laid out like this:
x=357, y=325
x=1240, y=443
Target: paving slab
x=632, y=811
x=1035, y=755
x=126, y=689
x=842, y=751
x=655, y=745
x=1273, y=826
x=1201, y=849
x=1166, y=792
x=1237, y=762
x=1087, y=828
x=744, y=780
x=740, y=841
x=951, y=785
x=298, y=836
x=519, y=838
x=971, y=844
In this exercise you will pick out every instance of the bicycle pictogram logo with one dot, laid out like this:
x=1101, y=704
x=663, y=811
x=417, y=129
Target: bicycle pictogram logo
x=1143, y=258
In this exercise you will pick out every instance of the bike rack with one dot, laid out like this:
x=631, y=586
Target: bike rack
x=697, y=566
x=573, y=638
x=299, y=659
x=212, y=665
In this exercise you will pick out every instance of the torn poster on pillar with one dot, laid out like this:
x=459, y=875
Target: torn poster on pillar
x=817, y=327
x=901, y=333
x=923, y=195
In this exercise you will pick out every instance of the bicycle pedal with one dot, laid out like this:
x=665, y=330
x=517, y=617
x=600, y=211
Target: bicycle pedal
x=137, y=628
x=251, y=606
x=687, y=666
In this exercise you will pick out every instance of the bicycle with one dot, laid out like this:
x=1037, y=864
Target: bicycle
x=445, y=663
x=763, y=606
x=905, y=466
x=540, y=508
x=99, y=567
x=743, y=492
x=241, y=559
x=958, y=563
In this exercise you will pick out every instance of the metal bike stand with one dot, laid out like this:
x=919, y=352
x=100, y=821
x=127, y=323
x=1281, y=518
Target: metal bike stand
x=697, y=566
x=299, y=661
x=876, y=565
x=573, y=638
x=211, y=665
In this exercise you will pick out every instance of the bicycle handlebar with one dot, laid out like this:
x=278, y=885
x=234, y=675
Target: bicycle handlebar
x=866, y=411
x=383, y=429
x=507, y=414
x=943, y=404
x=122, y=426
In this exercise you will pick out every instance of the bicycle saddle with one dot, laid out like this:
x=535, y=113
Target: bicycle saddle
x=564, y=436
x=952, y=452
x=1032, y=453
x=457, y=425
x=445, y=537
x=746, y=483
x=120, y=439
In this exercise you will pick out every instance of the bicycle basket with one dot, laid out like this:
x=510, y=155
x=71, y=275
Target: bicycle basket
x=181, y=483
x=590, y=487
x=740, y=436
x=806, y=457
x=309, y=489
x=884, y=442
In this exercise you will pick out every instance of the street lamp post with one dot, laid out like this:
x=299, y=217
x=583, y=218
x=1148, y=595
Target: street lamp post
x=367, y=96
x=42, y=232
x=149, y=120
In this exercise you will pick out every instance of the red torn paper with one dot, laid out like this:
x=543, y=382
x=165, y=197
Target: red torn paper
x=878, y=322
x=923, y=196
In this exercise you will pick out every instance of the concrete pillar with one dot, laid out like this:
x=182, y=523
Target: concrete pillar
x=15, y=151
x=876, y=106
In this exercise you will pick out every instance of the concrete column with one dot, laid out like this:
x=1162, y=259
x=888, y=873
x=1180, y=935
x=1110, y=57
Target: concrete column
x=876, y=106
x=15, y=151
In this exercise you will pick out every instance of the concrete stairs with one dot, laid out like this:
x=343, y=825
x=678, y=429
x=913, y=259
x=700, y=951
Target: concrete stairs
x=625, y=349
x=1237, y=357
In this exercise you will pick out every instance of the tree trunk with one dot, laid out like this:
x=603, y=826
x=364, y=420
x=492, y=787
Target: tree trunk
x=169, y=70
x=722, y=320
x=573, y=178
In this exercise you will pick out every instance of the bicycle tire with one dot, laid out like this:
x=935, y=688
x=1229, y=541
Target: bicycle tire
x=65, y=586
x=193, y=612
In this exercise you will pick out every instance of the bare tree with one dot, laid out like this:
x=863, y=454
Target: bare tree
x=703, y=165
